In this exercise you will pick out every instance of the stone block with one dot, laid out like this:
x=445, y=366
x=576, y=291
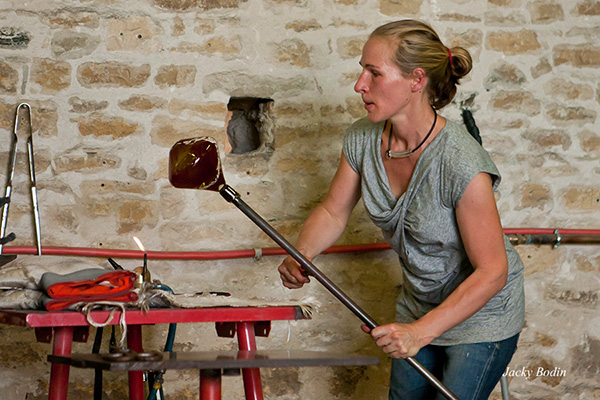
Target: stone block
x=9, y=78
x=51, y=75
x=228, y=47
x=178, y=26
x=133, y=215
x=85, y=161
x=166, y=130
x=505, y=75
x=111, y=188
x=587, y=263
x=535, y=196
x=73, y=45
x=400, y=7
x=541, y=68
x=204, y=26
x=470, y=39
x=516, y=101
x=546, y=371
x=67, y=19
x=136, y=33
x=294, y=52
x=175, y=75
x=577, y=55
x=100, y=125
x=81, y=106
x=303, y=25
x=571, y=114
x=544, y=12
x=588, y=7
x=582, y=198
x=586, y=357
x=143, y=103
x=182, y=5
x=112, y=74
x=239, y=84
x=505, y=19
x=539, y=260
x=590, y=141
x=546, y=139
x=206, y=110
x=351, y=47
x=96, y=208
x=44, y=115
x=458, y=17
x=568, y=90
x=545, y=340
x=513, y=43
x=506, y=3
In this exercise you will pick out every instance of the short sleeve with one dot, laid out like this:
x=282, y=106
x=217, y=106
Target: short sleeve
x=354, y=145
x=464, y=160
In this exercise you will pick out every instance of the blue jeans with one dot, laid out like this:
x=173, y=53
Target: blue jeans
x=470, y=371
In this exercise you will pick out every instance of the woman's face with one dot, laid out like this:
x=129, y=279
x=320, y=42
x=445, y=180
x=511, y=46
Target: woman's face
x=384, y=90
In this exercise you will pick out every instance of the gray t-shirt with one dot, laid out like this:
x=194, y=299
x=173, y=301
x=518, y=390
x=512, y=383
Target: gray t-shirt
x=421, y=227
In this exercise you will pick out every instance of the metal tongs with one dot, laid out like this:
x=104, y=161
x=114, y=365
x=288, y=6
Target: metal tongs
x=5, y=201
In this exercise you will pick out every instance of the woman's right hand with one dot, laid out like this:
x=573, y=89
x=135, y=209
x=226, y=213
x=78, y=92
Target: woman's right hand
x=292, y=275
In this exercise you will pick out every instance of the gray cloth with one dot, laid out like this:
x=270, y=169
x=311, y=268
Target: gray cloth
x=421, y=227
x=50, y=278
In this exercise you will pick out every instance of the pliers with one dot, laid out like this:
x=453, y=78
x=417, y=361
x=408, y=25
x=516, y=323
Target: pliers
x=5, y=201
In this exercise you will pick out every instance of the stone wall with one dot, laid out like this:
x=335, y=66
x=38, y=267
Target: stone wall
x=114, y=84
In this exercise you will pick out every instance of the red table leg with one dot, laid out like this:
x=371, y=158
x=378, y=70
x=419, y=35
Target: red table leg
x=136, y=378
x=251, y=376
x=59, y=373
x=210, y=384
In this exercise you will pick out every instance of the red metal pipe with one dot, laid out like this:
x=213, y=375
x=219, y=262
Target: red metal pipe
x=247, y=253
x=59, y=373
x=210, y=384
x=136, y=378
x=251, y=376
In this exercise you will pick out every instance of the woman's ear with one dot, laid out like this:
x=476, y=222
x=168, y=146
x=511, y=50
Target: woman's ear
x=419, y=80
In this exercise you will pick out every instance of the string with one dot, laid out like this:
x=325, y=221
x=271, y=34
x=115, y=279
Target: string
x=406, y=153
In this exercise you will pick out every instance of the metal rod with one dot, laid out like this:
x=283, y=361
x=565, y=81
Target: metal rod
x=12, y=160
x=233, y=197
x=553, y=239
x=34, y=196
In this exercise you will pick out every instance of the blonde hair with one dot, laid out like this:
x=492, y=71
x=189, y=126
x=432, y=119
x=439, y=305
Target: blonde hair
x=419, y=46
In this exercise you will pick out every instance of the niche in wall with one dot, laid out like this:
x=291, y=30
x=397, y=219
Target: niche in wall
x=249, y=125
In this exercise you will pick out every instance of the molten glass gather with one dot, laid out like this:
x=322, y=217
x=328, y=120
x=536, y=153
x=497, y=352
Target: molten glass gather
x=195, y=164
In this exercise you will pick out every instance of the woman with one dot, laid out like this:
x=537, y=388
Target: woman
x=429, y=186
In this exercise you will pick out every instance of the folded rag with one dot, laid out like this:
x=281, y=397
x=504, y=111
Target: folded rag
x=63, y=291
x=62, y=304
x=106, y=284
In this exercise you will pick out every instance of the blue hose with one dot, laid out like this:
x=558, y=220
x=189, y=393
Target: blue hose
x=157, y=376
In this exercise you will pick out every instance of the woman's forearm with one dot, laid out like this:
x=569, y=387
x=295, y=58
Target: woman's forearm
x=468, y=298
x=320, y=231
x=328, y=220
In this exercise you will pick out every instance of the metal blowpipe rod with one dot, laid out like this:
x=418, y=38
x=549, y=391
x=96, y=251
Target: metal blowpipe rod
x=233, y=197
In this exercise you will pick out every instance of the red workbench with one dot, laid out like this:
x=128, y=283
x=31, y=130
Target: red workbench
x=68, y=326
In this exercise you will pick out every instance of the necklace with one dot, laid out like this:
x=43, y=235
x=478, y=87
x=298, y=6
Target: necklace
x=407, y=153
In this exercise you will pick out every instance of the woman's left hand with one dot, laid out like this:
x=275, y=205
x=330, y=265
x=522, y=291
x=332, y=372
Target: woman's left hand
x=397, y=340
